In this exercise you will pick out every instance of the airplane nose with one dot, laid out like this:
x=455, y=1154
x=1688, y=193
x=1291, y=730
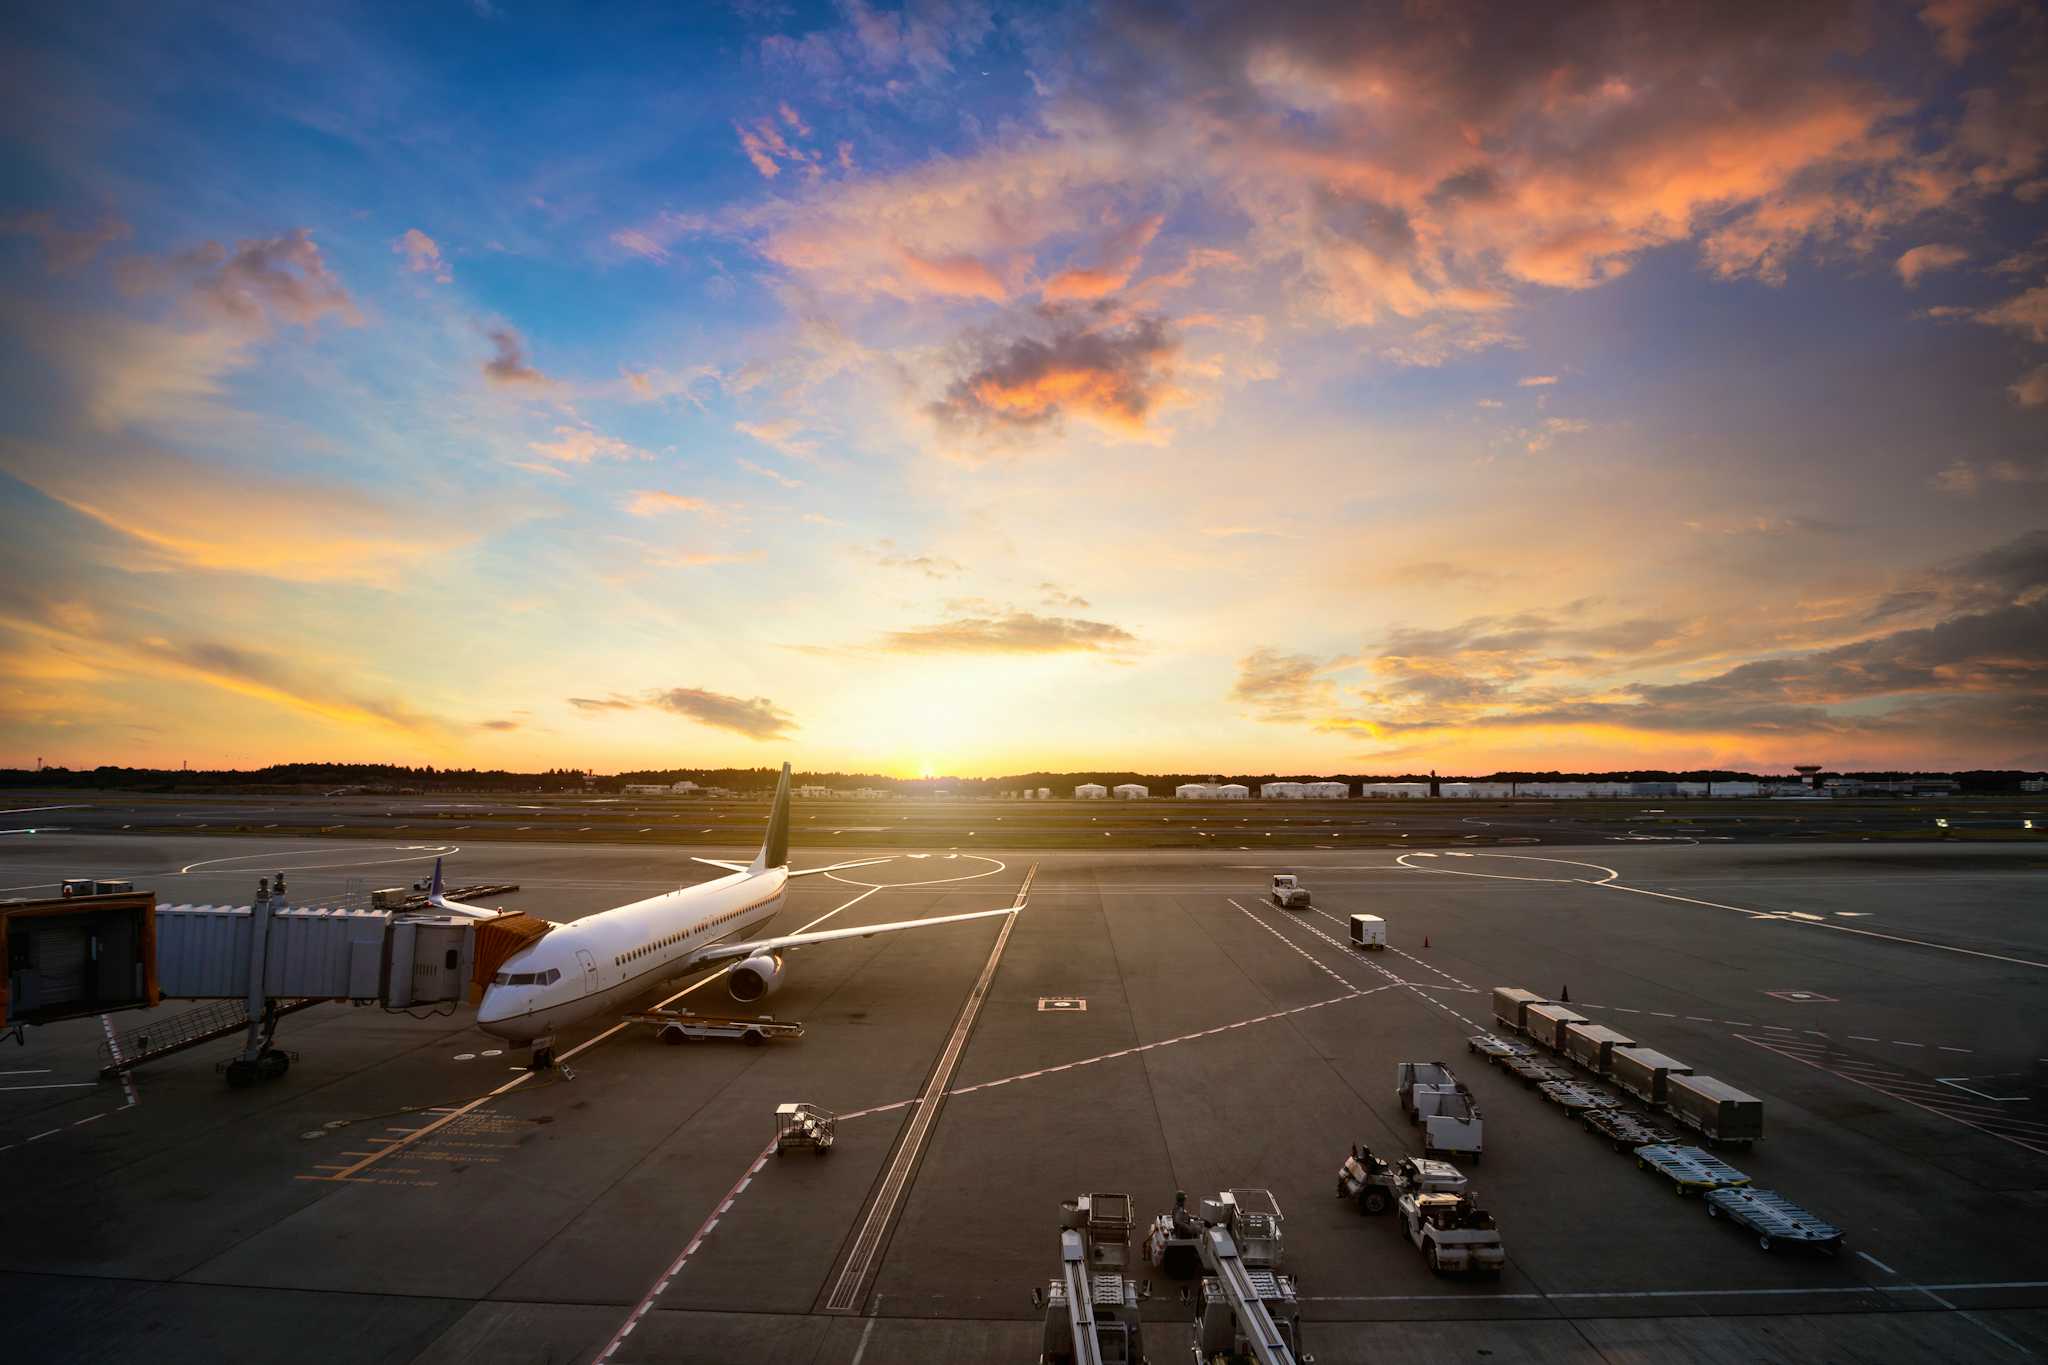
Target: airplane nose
x=496, y=1017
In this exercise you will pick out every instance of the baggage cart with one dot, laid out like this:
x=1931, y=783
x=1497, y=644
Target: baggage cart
x=1643, y=1072
x=1689, y=1169
x=1546, y=1023
x=1536, y=1070
x=1509, y=1005
x=1714, y=1109
x=1493, y=1047
x=1773, y=1218
x=1591, y=1045
x=1368, y=931
x=804, y=1125
x=1575, y=1098
x=1625, y=1131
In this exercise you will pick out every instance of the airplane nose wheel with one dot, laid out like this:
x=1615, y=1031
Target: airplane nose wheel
x=543, y=1059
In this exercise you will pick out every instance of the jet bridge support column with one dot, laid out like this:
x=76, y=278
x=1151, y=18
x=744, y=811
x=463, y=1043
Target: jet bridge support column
x=259, y=1061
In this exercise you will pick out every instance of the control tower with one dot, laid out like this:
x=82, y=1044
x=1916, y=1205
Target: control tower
x=1807, y=771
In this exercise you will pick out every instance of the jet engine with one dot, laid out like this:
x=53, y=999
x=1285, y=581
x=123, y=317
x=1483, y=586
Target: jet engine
x=756, y=978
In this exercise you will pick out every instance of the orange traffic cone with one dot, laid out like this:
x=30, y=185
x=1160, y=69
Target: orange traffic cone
x=1425, y=940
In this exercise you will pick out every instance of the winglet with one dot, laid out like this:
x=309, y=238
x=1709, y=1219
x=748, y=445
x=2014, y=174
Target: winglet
x=775, y=845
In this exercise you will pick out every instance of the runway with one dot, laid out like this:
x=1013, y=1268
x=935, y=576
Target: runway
x=383, y=1203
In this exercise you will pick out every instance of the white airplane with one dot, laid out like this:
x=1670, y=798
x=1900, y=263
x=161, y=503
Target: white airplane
x=601, y=963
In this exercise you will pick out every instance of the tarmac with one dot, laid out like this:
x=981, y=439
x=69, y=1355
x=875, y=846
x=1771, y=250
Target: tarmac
x=404, y=1195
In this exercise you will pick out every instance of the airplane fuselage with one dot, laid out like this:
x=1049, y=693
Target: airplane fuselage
x=603, y=963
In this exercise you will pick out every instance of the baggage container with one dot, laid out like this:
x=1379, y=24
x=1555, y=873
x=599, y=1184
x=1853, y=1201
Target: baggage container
x=1545, y=1024
x=1715, y=1109
x=1643, y=1072
x=1509, y=1002
x=1368, y=931
x=1591, y=1044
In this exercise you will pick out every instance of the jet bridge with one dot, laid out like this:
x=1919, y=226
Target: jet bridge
x=261, y=961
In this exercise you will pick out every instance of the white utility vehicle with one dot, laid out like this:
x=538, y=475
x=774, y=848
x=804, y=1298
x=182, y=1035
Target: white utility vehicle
x=1368, y=931
x=1288, y=892
x=1452, y=1233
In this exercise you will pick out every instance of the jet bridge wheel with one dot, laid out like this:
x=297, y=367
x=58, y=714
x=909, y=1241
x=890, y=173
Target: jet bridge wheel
x=241, y=1074
x=272, y=1064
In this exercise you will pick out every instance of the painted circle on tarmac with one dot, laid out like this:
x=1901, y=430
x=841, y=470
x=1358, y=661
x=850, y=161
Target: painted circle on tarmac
x=465, y=1056
x=1607, y=874
x=262, y=862
x=494, y=1052
x=994, y=866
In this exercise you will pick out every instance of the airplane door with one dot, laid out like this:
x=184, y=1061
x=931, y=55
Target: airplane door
x=589, y=971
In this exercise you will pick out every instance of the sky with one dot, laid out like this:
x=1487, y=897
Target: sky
x=963, y=389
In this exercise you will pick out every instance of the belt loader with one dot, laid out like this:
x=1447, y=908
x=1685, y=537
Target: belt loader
x=1245, y=1309
x=1091, y=1311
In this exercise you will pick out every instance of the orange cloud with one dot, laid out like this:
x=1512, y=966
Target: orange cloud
x=1912, y=264
x=181, y=512
x=1117, y=379
x=962, y=276
x=582, y=445
x=1119, y=260
x=651, y=502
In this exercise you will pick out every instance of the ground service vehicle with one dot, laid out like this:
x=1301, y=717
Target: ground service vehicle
x=1376, y=1183
x=1452, y=1233
x=1717, y=1111
x=1289, y=893
x=1643, y=1072
x=1368, y=931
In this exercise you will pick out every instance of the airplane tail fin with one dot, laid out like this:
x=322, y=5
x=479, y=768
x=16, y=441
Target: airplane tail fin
x=434, y=887
x=775, y=847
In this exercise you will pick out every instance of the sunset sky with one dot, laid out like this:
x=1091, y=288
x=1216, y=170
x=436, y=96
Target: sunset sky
x=969, y=389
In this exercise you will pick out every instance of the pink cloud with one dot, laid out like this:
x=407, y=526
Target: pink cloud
x=422, y=255
x=262, y=281
x=654, y=502
x=962, y=276
x=583, y=445
x=1117, y=261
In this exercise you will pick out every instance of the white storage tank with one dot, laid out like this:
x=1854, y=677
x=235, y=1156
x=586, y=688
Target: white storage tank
x=1090, y=791
x=1132, y=791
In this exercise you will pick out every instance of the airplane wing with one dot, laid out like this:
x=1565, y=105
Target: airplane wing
x=806, y=872
x=733, y=952
x=441, y=902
